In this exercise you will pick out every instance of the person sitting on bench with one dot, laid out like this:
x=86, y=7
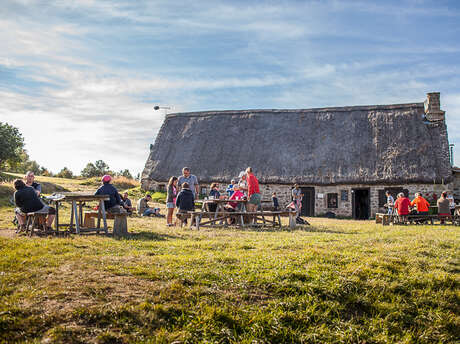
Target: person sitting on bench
x=443, y=207
x=421, y=203
x=27, y=201
x=402, y=205
x=30, y=181
x=233, y=206
x=113, y=204
x=126, y=203
x=185, y=200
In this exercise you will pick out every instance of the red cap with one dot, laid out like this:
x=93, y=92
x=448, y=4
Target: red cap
x=106, y=178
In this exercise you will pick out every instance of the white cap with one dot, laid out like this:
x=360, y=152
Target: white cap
x=242, y=173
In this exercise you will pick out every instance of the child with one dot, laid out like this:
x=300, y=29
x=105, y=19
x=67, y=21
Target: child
x=276, y=205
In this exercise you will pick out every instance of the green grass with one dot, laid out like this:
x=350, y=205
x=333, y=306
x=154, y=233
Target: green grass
x=338, y=281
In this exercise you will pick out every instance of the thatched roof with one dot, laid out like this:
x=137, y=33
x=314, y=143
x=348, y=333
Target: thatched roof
x=361, y=144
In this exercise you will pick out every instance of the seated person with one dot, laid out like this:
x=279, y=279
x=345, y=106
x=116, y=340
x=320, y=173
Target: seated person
x=126, y=203
x=443, y=207
x=421, y=203
x=237, y=195
x=229, y=189
x=30, y=181
x=185, y=200
x=402, y=206
x=27, y=201
x=214, y=194
x=113, y=204
x=144, y=209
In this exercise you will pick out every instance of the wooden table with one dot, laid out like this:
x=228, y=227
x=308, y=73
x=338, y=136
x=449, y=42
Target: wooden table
x=77, y=199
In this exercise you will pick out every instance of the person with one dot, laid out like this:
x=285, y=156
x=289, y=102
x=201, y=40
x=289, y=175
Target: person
x=144, y=209
x=297, y=198
x=185, y=200
x=113, y=205
x=213, y=194
x=402, y=206
x=30, y=181
x=390, y=202
x=443, y=207
x=243, y=184
x=421, y=203
x=254, y=197
x=127, y=204
x=191, y=180
x=450, y=197
x=229, y=189
x=171, y=200
x=233, y=206
x=276, y=204
x=27, y=201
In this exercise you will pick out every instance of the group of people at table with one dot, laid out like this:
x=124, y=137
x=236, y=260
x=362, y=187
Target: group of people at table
x=183, y=191
x=419, y=205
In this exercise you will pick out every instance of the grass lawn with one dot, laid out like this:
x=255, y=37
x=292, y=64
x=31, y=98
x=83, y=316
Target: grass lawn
x=336, y=281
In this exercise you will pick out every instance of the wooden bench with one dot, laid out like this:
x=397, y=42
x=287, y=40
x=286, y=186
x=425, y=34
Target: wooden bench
x=382, y=218
x=120, y=224
x=423, y=219
x=270, y=218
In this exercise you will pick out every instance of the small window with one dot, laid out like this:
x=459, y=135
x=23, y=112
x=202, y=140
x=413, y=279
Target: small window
x=344, y=195
x=332, y=200
x=161, y=188
x=204, y=190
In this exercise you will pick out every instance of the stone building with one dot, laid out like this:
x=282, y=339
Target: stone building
x=344, y=158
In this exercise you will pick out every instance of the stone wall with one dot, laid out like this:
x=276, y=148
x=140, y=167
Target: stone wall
x=456, y=186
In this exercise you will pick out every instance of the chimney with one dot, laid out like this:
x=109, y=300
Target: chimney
x=433, y=110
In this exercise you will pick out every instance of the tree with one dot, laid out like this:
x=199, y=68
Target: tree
x=90, y=171
x=65, y=173
x=125, y=173
x=102, y=167
x=11, y=144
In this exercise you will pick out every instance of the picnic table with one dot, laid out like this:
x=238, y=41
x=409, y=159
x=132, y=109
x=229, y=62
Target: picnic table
x=77, y=200
x=220, y=215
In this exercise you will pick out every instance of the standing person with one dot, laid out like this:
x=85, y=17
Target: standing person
x=297, y=198
x=402, y=205
x=126, y=203
x=229, y=189
x=421, y=203
x=30, y=181
x=171, y=200
x=191, y=180
x=113, y=204
x=243, y=183
x=276, y=205
x=254, y=197
x=390, y=202
x=27, y=201
x=451, y=203
x=443, y=207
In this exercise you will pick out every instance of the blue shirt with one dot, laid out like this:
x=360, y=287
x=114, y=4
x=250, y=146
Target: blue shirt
x=229, y=190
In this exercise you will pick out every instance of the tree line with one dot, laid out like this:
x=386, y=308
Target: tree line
x=14, y=158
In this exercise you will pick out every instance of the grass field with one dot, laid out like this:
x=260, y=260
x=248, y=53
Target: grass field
x=337, y=281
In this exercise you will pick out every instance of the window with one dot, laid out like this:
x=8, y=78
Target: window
x=204, y=190
x=332, y=200
x=344, y=195
x=161, y=188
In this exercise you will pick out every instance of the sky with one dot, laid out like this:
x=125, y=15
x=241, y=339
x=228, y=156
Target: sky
x=80, y=79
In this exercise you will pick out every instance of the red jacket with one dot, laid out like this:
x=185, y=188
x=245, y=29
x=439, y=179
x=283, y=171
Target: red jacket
x=402, y=204
x=253, y=185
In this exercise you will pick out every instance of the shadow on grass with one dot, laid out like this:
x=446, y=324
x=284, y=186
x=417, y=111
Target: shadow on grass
x=151, y=236
x=303, y=228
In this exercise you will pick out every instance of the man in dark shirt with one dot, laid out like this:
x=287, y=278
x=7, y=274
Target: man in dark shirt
x=113, y=205
x=126, y=203
x=27, y=201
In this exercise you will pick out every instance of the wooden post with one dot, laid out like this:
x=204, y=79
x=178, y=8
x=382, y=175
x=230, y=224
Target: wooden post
x=291, y=220
x=104, y=218
x=77, y=221
x=120, y=225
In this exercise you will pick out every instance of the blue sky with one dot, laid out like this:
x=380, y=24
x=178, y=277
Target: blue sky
x=80, y=78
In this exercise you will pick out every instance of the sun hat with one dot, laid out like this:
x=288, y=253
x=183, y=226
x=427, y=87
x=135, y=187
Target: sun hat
x=106, y=178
